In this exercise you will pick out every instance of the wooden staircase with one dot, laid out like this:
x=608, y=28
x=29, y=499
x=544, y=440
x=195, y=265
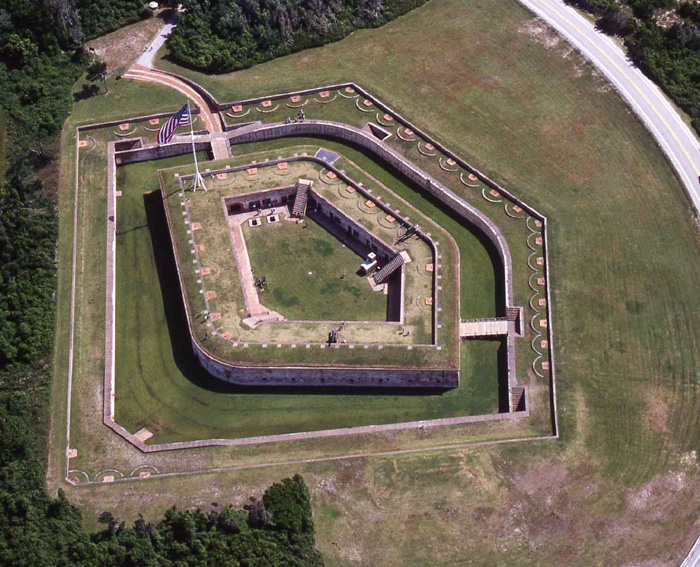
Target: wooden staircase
x=382, y=275
x=300, y=200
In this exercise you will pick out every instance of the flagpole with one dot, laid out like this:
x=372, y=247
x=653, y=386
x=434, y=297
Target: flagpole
x=198, y=180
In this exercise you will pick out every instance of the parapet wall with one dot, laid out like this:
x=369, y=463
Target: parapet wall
x=275, y=197
x=401, y=120
x=345, y=221
x=158, y=152
x=405, y=167
x=367, y=195
x=332, y=376
x=416, y=175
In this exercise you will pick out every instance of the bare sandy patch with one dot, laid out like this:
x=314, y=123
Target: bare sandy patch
x=539, y=32
x=667, y=17
x=545, y=476
x=662, y=497
x=657, y=409
x=121, y=48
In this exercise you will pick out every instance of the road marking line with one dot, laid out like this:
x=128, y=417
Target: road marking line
x=626, y=76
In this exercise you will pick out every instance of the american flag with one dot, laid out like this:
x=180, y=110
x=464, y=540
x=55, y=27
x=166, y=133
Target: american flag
x=180, y=118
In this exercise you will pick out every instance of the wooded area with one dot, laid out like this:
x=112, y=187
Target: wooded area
x=40, y=59
x=662, y=38
x=225, y=35
x=219, y=36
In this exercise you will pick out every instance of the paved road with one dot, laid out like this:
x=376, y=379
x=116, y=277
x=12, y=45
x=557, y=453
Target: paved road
x=646, y=99
x=146, y=58
x=693, y=558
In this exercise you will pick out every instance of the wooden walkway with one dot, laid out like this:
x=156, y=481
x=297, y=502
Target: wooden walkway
x=483, y=328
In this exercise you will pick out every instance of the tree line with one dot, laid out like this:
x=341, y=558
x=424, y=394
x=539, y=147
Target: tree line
x=41, y=57
x=219, y=36
x=38, y=531
x=226, y=35
x=662, y=37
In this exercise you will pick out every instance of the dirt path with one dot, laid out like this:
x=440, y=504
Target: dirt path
x=121, y=48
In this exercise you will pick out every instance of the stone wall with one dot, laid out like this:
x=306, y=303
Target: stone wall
x=366, y=194
x=158, y=152
x=319, y=376
x=475, y=217
x=277, y=197
x=128, y=144
x=356, y=136
x=344, y=221
x=98, y=125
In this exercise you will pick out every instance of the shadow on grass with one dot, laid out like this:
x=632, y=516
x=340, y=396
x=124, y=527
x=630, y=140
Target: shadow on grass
x=179, y=334
x=503, y=399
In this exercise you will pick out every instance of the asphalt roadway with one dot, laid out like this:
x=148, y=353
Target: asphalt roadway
x=693, y=558
x=646, y=99
x=675, y=137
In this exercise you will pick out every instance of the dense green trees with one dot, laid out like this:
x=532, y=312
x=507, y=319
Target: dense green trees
x=36, y=530
x=225, y=35
x=37, y=70
x=40, y=60
x=103, y=16
x=38, y=66
x=662, y=38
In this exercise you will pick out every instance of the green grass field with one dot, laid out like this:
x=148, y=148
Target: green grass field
x=214, y=236
x=160, y=386
x=311, y=275
x=535, y=118
x=621, y=485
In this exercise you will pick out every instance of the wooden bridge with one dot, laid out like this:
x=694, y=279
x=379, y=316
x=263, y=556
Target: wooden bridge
x=483, y=328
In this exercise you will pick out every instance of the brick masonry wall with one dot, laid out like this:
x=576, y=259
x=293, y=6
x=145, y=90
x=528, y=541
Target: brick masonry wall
x=159, y=152
x=401, y=164
x=356, y=136
x=338, y=377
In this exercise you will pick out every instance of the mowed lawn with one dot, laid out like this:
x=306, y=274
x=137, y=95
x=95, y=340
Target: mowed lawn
x=160, y=385
x=621, y=486
x=493, y=84
x=310, y=274
x=478, y=298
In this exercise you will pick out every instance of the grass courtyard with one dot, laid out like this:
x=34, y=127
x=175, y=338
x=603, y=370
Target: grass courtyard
x=310, y=274
x=214, y=239
x=621, y=485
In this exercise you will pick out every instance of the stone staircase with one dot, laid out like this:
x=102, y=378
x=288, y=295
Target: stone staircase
x=220, y=147
x=514, y=315
x=517, y=398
